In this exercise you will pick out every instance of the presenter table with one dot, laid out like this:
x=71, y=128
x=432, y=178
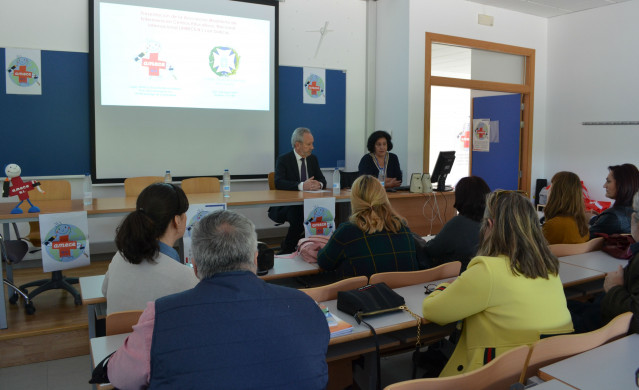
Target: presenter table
x=610, y=366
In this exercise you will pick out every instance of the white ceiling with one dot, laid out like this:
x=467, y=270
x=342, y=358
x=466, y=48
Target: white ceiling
x=547, y=8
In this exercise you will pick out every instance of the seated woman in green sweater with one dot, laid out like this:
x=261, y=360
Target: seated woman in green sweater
x=375, y=239
x=565, y=212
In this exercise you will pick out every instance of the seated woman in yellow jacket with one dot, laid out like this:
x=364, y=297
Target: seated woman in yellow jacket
x=565, y=212
x=511, y=293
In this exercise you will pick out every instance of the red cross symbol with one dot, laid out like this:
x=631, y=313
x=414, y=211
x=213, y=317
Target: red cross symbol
x=153, y=64
x=481, y=133
x=314, y=88
x=64, y=245
x=23, y=74
x=465, y=139
x=319, y=226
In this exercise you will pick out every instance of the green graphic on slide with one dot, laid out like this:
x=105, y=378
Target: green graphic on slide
x=224, y=61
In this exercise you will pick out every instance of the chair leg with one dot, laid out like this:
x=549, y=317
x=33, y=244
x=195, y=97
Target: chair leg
x=57, y=281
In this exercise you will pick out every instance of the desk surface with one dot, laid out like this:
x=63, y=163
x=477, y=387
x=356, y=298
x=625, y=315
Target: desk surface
x=572, y=275
x=610, y=366
x=598, y=261
x=91, y=286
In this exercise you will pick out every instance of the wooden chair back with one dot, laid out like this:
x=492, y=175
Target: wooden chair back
x=500, y=373
x=201, y=185
x=561, y=250
x=134, y=185
x=329, y=292
x=53, y=190
x=271, y=180
x=552, y=349
x=122, y=321
x=402, y=279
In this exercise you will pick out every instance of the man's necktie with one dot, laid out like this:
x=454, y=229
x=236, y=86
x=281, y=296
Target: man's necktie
x=303, y=170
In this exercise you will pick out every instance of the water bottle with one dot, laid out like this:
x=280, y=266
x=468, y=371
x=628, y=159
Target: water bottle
x=87, y=186
x=167, y=177
x=381, y=177
x=226, y=184
x=336, y=186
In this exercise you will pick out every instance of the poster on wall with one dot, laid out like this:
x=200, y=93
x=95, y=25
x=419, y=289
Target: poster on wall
x=65, y=240
x=24, y=71
x=314, y=85
x=319, y=217
x=481, y=135
x=193, y=215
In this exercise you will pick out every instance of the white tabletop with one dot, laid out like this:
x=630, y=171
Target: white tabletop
x=284, y=267
x=91, y=289
x=572, y=274
x=598, y=261
x=610, y=366
x=553, y=384
x=91, y=286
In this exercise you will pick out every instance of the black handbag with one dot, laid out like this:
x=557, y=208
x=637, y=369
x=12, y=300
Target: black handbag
x=369, y=300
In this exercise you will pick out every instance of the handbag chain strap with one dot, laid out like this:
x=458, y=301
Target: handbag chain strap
x=417, y=318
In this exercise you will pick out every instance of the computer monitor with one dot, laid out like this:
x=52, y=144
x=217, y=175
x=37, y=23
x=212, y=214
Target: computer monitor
x=442, y=168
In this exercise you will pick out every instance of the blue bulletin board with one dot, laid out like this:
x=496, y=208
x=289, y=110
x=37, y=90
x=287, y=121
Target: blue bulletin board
x=48, y=134
x=326, y=121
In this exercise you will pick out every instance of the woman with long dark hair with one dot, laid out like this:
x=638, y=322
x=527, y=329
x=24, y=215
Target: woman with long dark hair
x=622, y=183
x=146, y=266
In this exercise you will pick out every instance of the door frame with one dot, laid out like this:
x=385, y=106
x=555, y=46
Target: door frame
x=526, y=90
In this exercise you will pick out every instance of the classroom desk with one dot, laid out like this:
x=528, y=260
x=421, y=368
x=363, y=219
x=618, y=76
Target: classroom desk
x=597, y=260
x=553, y=384
x=346, y=345
x=572, y=275
x=91, y=286
x=415, y=208
x=610, y=366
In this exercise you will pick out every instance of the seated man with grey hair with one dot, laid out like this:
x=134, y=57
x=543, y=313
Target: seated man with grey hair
x=232, y=330
x=297, y=170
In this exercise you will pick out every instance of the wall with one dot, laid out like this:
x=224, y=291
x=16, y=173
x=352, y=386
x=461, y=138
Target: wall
x=458, y=18
x=63, y=25
x=592, y=76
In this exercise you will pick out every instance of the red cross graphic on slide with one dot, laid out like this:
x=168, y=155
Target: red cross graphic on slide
x=64, y=246
x=22, y=74
x=154, y=64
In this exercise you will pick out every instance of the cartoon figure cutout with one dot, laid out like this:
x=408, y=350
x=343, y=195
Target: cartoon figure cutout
x=66, y=242
x=320, y=221
x=15, y=186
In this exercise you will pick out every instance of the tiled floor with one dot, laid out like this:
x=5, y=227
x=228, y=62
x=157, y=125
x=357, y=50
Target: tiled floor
x=63, y=374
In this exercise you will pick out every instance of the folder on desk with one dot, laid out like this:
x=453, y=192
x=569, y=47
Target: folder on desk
x=336, y=325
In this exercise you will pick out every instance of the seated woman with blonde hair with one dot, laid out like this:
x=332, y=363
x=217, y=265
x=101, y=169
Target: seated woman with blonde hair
x=375, y=239
x=565, y=212
x=509, y=295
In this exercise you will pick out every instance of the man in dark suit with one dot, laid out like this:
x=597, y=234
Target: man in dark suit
x=297, y=170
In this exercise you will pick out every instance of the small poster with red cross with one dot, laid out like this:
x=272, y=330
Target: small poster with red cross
x=314, y=86
x=65, y=240
x=319, y=216
x=23, y=71
x=481, y=135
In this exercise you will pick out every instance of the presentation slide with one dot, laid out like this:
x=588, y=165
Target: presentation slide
x=186, y=86
x=171, y=58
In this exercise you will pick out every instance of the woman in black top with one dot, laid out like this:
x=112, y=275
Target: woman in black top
x=379, y=145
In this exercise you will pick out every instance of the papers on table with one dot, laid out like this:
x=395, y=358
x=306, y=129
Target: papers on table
x=336, y=325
